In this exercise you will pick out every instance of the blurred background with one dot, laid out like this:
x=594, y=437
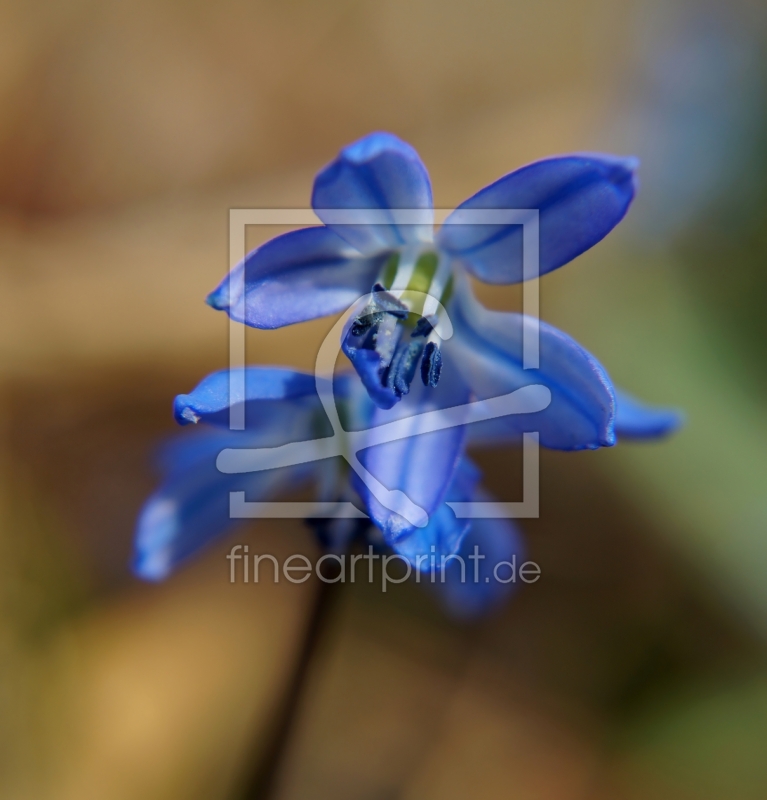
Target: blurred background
x=636, y=667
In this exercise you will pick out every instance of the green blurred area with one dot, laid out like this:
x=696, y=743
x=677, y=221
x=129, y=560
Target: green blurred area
x=636, y=667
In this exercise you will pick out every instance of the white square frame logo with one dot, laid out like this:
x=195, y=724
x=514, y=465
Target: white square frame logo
x=528, y=219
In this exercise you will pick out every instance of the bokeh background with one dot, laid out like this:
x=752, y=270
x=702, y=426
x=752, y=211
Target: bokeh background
x=636, y=667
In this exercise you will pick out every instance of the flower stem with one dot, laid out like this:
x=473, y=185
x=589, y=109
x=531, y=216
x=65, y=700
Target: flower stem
x=262, y=782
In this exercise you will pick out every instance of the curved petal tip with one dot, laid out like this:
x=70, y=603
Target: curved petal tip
x=580, y=199
x=379, y=172
x=183, y=412
x=641, y=421
x=219, y=298
x=374, y=144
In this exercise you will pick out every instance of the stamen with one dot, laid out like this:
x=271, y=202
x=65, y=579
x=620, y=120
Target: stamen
x=418, y=281
x=405, y=268
x=365, y=322
x=400, y=373
x=424, y=326
x=388, y=302
x=386, y=338
x=431, y=365
x=438, y=288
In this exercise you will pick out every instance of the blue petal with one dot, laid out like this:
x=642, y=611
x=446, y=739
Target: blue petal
x=636, y=420
x=295, y=277
x=367, y=363
x=487, y=349
x=380, y=172
x=470, y=594
x=444, y=532
x=422, y=466
x=266, y=388
x=191, y=508
x=580, y=198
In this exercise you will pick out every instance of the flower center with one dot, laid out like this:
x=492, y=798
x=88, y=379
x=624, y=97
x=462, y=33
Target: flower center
x=399, y=321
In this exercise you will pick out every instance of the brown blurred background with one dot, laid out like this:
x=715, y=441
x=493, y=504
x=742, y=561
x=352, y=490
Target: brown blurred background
x=636, y=667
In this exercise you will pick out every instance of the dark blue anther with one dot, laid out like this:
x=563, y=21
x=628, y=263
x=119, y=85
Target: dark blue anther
x=365, y=322
x=399, y=375
x=388, y=302
x=431, y=366
x=378, y=328
x=423, y=327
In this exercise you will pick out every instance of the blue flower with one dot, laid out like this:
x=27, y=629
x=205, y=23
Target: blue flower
x=410, y=310
x=414, y=280
x=282, y=406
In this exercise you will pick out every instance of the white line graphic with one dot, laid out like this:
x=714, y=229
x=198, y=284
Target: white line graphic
x=347, y=444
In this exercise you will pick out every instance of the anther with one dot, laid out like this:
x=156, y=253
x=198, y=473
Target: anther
x=365, y=322
x=431, y=365
x=388, y=302
x=400, y=373
x=423, y=327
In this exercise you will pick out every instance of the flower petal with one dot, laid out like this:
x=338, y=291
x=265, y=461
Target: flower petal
x=444, y=532
x=581, y=198
x=191, y=508
x=295, y=277
x=192, y=505
x=381, y=172
x=636, y=420
x=367, y=363
x=489, y=551
x=422, y=465
x=487, y=349
x=266, y=390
